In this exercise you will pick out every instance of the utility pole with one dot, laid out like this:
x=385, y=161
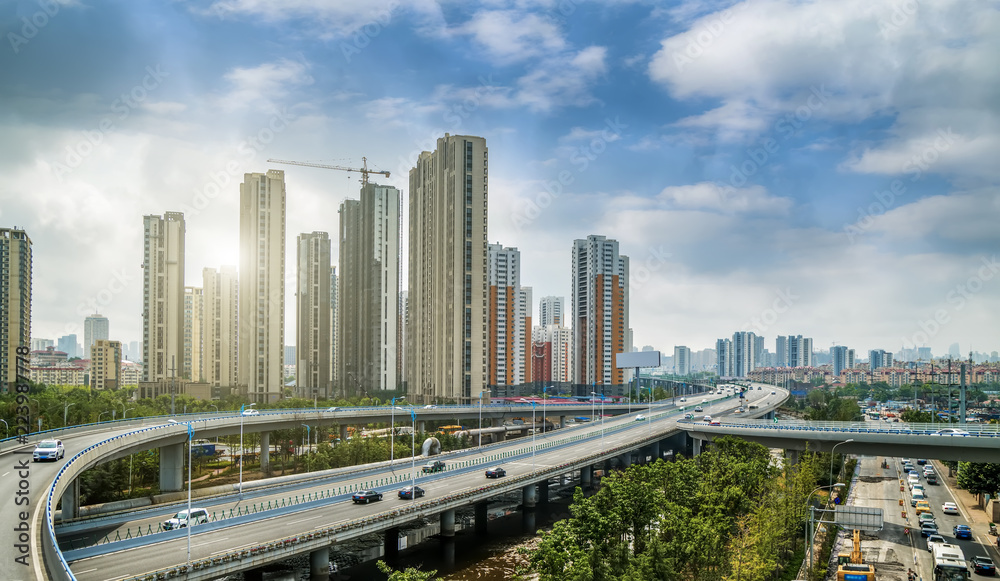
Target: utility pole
x=173, y=381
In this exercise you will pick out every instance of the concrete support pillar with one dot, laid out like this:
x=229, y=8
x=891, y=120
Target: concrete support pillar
x=654, y=450
x=319, y=563
x=448, y=523
x=253, y=575
x=265, y=451
x=71, y=500
x=482, y=517
x=528, y=497
x=625, y=460
x=696, y=445
x=422, y=427
x=586, y=476
x=343, y=433
x=172, y=467
x=562, y=422
x=543, y=491
x=792, y=457
x=391, y=544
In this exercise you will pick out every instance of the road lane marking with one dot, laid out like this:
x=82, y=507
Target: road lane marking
x=87, y=571
x=210, y=542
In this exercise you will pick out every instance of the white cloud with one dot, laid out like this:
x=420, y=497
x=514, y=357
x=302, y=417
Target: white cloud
x=712, y=197
x=164, y=107
x=263, y=86
x=510, y=37
x=563, y=81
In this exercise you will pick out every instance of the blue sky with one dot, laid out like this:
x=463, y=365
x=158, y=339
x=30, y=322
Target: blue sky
x=817, y=168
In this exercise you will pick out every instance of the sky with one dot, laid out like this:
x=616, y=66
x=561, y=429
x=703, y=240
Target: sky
x=824, y=168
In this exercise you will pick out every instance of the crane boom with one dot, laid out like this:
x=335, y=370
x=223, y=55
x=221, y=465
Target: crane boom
x=363, y=170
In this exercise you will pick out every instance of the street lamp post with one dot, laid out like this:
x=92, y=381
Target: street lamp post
x=6, y=428
x=413, y=455
x=308, y=442
x=592, y=404
x=101, y=414
x=242, y=455
x=810, y=534
x=832, y=477
x=392, y=428
x=66, y=411
x=126, y=411
x=544, y=389
x=534, y=430
x=481, y=417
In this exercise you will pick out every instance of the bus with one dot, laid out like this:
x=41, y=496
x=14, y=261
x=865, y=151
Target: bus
x=450, y=430
x=949, y=563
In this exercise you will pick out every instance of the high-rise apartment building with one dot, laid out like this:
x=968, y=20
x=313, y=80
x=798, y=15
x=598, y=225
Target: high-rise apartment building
x=446, y=337
x=15, y=301
x=879, y=358
x=552, y=353
x=781, y=351
x=262, y=285
x=682, y=360
x=163, y=297
x=194, y=313
x=220, y=326
x=724, y=358
x=41, y=344
x=525, y=307
x=334, y=314
x=799, y=351
x=404, y=313
x=95, y=327
x=105, y=364
x=67, y=344
x=506, y=336
x=368, y=286
x=550, y=311
x=600, y=310
x=840, y=353
x=744, y=353
x=312, y=315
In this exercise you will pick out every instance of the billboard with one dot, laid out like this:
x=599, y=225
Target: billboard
x=637, y=359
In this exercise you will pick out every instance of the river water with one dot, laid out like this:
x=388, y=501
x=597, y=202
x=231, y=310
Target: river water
x=464, y=557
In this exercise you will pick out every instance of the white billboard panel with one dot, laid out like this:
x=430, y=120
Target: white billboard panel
x=637, y=359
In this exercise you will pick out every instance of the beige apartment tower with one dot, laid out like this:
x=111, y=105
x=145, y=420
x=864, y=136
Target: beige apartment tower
x=368, y=286
x=105, y=364
x=446, y=338
x=15, y=301
x=163, y=297
x=509, y=330
x=312, y=319
x=262, y=285
x=194, y=312
x=600, y=311
x=220, y=326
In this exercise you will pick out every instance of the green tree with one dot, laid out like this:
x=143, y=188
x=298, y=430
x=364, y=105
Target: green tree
x=979, y=477
x=410, y=574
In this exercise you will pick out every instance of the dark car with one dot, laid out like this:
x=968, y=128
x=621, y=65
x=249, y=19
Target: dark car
x=928, y=528
x=983, y=566
x=407, y=492
x=496, y=472
x=435, y=466
x=962, y=532
x=366, y=496
x=921, y=461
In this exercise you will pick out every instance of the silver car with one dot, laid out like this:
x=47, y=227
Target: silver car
x=48, y=450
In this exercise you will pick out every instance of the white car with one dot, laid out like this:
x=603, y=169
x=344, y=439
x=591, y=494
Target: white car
x=251, y=412
x=933, y=540
x=773, y=393
x=707, y=419
x=430, y=407
x=950, y=432
x=48, y=450
x=640, y=418
x=199, y=516
x=683, y=399
x=949, y=508
x=912, y=479
x=331, y=409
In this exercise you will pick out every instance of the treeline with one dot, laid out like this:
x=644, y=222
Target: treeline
x=728, y=514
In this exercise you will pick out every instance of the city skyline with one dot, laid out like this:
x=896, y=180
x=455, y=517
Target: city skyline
x=768, y=199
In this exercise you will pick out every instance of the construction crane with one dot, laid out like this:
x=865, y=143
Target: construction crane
x=363, y=169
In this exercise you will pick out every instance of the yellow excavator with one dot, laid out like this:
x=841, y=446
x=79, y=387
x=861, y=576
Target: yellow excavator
x=851, y=566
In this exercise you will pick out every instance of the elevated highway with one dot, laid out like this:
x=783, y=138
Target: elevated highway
x=327, y=516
